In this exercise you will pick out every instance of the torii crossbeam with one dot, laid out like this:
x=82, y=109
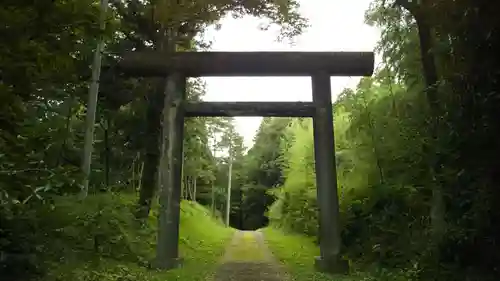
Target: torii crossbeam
x=320, y=66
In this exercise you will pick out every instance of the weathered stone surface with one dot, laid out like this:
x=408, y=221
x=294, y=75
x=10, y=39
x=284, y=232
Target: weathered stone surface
x=276, y=109
x=170, y=169
x=196, y=64
x=326, y=174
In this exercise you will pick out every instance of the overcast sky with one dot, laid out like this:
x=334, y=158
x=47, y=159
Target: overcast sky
x=336, y=25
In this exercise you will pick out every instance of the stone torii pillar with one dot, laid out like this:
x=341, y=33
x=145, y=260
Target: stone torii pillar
x=326, y=177
x=320, y=66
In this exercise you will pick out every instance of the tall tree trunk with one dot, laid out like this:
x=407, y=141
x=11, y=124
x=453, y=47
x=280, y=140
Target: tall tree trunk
x=213, y=198
x=189, y=188
x=213, y=182
x=92, y=105
x=141, y=169
x=152, y=151
x=229, y=181
x=185, y=187
x=107, y=150
x=194, y=189
x=136, y=170
x=431, y=80
x=184, y=180
x=133, y=174
x=242, y=225
x=430, y=74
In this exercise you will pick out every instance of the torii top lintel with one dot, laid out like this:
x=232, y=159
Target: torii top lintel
x=197, y=64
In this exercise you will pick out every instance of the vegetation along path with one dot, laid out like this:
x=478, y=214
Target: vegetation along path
x=247, y=258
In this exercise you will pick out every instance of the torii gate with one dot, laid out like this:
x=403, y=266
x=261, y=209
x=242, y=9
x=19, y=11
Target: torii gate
x=320, y=66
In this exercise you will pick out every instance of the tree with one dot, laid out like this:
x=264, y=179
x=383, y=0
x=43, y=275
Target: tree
x=189, y=21
x=92, y=103
x=46, y=69
x=419, y=122
x=264, y=171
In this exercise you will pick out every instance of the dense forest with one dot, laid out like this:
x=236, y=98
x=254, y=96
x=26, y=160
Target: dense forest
x=416, y=149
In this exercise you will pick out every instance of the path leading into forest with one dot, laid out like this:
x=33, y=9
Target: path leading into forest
x=247, y=258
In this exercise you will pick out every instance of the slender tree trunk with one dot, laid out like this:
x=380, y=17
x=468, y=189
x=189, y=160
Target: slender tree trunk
x=213, y=182
x=229, y=176
x=190, y=188
x=107, y=150
x=134, y=174
x=213, y=198
x=183, y=187
x=194, y=189
x=92, y=106
x=184, y=180
x=136, y=169
x=184, y=193
x=242, y=225
x=141, y=169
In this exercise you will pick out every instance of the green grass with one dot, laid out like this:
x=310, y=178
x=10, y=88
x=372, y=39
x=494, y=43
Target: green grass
x=202, y=243
x=124, y=247
x=297, y=253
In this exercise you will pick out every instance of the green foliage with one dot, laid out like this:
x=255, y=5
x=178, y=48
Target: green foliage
x=45, y=60
x=385, y=147
x=262, y=165
x=386, y=153
x=381, y=172
x=36, y=59
x=298, y=156
x=46, y=56
x=297, y=253
x=99, y=239
x=45, y=79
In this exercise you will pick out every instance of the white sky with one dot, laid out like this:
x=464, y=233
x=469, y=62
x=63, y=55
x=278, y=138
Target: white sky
x=335, y=25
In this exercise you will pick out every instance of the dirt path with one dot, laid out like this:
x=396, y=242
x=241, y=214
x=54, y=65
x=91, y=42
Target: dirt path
x=247, y=258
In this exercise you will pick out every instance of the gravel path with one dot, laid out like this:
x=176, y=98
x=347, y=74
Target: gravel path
x=248, y=258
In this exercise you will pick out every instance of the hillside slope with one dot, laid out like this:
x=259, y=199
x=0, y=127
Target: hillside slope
x=99, y=239
x=297, y=253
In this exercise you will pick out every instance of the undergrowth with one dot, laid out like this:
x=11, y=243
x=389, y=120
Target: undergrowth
x=99, y=239
x=297, y=253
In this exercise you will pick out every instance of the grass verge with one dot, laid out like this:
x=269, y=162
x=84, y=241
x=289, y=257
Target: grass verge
x=297, y=253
